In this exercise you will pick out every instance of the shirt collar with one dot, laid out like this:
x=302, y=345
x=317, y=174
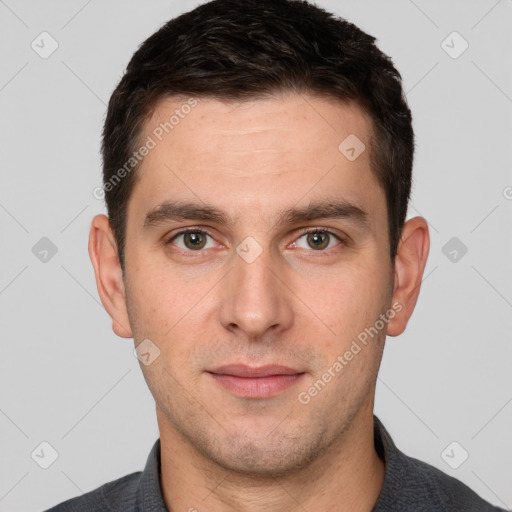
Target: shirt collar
x=149, y=492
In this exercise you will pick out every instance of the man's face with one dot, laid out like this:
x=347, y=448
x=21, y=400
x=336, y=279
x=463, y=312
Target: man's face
x=256, y=288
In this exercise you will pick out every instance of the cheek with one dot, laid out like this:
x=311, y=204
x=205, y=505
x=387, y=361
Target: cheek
x=172, y=312
x=348, y=300
x=154, y=306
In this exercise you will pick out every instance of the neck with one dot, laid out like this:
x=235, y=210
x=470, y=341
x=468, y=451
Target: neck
x=348, y=476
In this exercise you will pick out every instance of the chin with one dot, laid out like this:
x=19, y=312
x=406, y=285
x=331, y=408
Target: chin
x=267, y=458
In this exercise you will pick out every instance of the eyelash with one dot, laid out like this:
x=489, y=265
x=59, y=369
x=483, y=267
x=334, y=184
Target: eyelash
x=304, y=232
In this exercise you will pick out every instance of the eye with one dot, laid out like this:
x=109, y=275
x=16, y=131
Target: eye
x=317, y=240
x=192, y=240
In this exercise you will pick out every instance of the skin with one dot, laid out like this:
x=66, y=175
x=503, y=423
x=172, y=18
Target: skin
x=294, y=305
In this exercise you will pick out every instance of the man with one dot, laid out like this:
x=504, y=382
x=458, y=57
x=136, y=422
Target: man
x=257, y=170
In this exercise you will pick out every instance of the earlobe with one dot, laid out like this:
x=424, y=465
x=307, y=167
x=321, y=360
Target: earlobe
x=410, y=262
x=109, y=279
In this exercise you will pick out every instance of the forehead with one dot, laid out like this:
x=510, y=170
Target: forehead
x=262, y=153
x=290, y=122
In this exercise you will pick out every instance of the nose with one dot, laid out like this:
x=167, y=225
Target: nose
x=255, y=298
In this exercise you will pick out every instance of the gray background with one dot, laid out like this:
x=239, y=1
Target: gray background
x=66, y=379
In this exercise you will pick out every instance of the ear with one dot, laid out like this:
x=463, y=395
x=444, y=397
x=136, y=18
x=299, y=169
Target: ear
x=410, y=262
x=109, y=278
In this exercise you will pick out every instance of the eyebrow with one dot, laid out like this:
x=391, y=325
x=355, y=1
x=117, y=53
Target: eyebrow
x=176, y=211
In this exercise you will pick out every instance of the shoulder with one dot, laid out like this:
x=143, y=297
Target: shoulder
x=411, y=484
x=118, y=495
x=438, y=491
x=127, y=494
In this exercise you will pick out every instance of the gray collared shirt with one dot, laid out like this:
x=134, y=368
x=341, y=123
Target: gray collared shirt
x=409, y=485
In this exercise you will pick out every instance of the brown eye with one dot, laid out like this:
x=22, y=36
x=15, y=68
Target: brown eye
x=192, y=240
x=317, y=240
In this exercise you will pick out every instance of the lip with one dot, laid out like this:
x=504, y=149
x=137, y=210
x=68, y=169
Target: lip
x=243, y=370
x=255, y=382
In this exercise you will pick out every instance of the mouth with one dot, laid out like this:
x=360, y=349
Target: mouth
x=255, y=382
